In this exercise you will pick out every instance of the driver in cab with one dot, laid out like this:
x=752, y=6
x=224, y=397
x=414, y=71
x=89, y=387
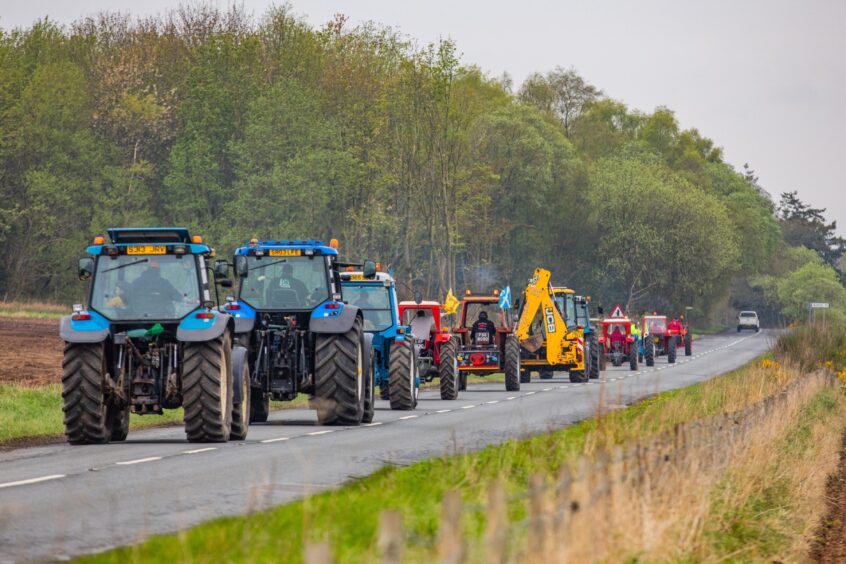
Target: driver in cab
x=151, y=285
x=483, y=330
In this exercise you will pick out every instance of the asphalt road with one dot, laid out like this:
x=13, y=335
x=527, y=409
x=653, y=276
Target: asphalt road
x=58, y=500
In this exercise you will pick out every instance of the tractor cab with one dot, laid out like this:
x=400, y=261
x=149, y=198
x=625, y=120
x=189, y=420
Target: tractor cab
x=475, y=308
x=617, y=341
x=145, y=276
x=655, y=325
x=376, y=297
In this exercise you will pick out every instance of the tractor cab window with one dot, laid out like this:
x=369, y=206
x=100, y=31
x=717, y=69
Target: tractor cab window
x=616, y=330
x=582, y=314
x=374, y=301
x=133, y=287
x=566, y=305
x=473, y=309
x=285, y=284
x=658, y=326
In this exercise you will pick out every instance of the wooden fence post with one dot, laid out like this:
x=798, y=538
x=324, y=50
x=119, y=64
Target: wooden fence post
x=391, y=538
x=496, y=524
x=450, y=535
x=537, y=537
x=318, y=553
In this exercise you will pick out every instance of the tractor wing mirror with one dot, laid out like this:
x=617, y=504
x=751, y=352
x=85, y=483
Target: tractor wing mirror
x=86, y=268
x=241, y=268
x=221, y=269
x=369, y=270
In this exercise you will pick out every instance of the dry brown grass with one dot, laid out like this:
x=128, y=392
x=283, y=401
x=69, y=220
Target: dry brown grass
x=32, y=309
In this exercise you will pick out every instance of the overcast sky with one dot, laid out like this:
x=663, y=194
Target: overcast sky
x=765, y=79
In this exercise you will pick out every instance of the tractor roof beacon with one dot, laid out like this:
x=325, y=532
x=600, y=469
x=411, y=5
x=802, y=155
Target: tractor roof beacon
x=394, y=358
x=150, y=339
x=290, y=315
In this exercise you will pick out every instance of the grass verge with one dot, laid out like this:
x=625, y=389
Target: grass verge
x=348, y=517
x=33, y=309
x=36, y=412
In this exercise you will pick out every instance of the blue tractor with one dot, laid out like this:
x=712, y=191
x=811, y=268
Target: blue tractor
x=149, y=338
x=300, y=336
x=394, y=352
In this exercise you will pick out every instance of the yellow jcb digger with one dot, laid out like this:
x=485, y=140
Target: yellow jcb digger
x=549, y=339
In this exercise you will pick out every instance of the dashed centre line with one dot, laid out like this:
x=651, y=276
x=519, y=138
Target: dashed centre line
x=315, y=433
x=467, y=406
x=276, y=440
x=409, y=417
x=199, y=450
x=139, y=461
x=443, y=411
x=32, y=481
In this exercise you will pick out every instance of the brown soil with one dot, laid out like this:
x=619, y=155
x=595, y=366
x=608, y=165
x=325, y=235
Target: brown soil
x=30, y=351
x=830, y=543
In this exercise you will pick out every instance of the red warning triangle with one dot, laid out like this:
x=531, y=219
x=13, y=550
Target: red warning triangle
x=618, y=312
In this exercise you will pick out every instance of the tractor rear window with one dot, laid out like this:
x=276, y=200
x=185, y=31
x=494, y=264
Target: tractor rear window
x=132, y=287
x=473, y=309
x=656, y=325
x=285, y=284
x=374, y=300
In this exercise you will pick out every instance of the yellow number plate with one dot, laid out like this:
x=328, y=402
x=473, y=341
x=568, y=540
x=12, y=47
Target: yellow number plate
x=357, y=277
x=146, y=250
x=284, y=252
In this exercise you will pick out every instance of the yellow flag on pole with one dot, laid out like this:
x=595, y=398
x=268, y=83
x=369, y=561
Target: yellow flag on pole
x=451, y=303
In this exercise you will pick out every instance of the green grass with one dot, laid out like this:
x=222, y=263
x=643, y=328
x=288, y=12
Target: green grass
x=30, y=413
x=42, y=310
x=27, y=413
x=348, y=516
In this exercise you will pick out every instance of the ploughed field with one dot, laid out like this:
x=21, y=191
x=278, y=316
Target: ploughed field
x=30, y=351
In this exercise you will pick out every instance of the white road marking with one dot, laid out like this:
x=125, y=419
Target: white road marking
x=492, y=402
x=326, y=432
x=547, y=389
x=31, y=481
x=529, y=393
x=139, y=460
x=409, y=417
x=374, y=424
x=511, y=398
x=443, y=411
x=199, y=450
x=467, y=406
x=276, y=440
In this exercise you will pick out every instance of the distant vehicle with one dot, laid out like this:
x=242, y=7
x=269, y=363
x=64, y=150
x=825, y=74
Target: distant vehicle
x=748, y=320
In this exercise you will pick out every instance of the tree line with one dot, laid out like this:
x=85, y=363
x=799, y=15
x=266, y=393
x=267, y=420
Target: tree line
x=236, y=127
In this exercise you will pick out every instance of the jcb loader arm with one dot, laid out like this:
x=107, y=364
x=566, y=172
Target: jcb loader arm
x=538, y=299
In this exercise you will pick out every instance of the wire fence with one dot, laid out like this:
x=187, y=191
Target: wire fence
x=607, y=505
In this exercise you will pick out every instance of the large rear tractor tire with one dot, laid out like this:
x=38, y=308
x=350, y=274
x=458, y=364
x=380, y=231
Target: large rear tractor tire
x=241, y=411
x=85, y=406
x=207, y=390
x=595, y=353
x=402, y=376
x=513, y=373
x=671, y=350
x=448, y=371
x=649, y=352
x=688, y=345
x=339, y=377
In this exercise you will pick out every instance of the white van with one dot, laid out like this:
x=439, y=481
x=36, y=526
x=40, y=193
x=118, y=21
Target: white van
x=748, y=320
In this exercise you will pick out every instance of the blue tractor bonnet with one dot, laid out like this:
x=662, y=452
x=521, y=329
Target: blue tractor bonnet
x=306, y=245
x=131, y=236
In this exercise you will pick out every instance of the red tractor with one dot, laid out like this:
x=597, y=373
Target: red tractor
x=661, y=337
x=487, y=343
x=438, y=350
x=617, y=342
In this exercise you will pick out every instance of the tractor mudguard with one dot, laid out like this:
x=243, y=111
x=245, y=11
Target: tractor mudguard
x=92, y=330
x=194, y=330
x=324, y=320
x=239, y=358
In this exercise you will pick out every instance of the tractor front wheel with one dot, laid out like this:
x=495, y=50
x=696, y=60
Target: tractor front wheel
x=402, y=376
x=448, y=371
x=259, y=405
x=603, y=358
x=671, y=350
x=513, y=373
x=633, y=356
x=241, y=411
x=688, y=345
x=595, y=353
x=369, y=385
x=578, y=376
x=207, y=389
x=649, y=351
x=339, y=377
